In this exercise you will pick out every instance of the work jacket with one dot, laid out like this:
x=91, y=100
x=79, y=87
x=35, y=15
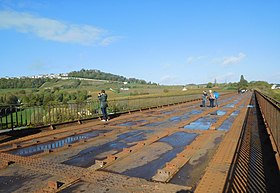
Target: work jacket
x=103, y=100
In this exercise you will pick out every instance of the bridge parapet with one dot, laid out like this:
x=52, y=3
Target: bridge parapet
x=270, y=109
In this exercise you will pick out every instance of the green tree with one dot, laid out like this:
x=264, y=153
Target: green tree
x=243, y=84
x=209, y=85
x=12, y=99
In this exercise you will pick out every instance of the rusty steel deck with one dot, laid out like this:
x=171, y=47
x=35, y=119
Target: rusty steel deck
x=178, y=148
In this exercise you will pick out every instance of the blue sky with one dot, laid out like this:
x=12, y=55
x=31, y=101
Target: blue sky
x=163, y=41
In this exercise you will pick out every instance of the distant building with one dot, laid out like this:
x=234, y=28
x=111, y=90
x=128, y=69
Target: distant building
x=184, y=89
x=275, y=86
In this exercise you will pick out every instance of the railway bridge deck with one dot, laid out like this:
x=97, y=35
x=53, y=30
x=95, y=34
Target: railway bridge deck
x=177, y=148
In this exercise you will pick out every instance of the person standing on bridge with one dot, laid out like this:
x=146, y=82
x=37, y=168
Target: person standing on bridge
x=102, y=96
x=204, y=98
x=216, y=95
x=211, y=98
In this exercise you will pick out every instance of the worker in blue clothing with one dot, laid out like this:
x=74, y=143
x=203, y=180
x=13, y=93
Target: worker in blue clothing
x=216, y=95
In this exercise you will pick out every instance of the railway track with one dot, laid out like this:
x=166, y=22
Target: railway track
x=170, y=149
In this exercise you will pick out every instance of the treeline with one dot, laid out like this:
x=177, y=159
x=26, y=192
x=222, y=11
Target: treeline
x=46, y=97
x=97, y=74
x=23, y=82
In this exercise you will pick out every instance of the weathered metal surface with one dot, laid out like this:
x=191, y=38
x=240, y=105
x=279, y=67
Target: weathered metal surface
x=172, y=167
x=253, y=169
x=71, y=174
x=217, y=170
x=155, y=138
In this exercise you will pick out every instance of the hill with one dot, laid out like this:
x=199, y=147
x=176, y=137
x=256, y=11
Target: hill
x=98, y=75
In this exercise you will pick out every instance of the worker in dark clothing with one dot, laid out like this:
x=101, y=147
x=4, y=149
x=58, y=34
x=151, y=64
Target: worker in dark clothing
x=102, y=96
x=204, y=98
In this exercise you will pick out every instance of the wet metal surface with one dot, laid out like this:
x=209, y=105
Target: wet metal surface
x=32, y=150
x=178, y=118
x=132, y=123
x=5, y=147
x=147, y=167
x=202, y=123
x=219, y=112
x=185, y=175
x=227, y=123
x=146, y=144
x=235, y=113
x=195, y=112
x=155, y=124
x=231, y=105
x=19, y=182
x=87, y=157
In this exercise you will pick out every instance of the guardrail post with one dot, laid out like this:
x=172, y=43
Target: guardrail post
x=12, y=121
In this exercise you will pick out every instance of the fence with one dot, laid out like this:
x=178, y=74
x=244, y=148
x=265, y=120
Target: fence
x=13, y=116
x=270, y=109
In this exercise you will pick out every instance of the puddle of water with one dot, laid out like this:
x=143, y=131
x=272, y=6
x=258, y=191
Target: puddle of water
x=235, y=113
x=175, y=119
x=177, y=140
x=168, y=112
x=201, y=124
x=132, y=123
x=154, y=124
x=250, y=106
x=218, y=112
x=32, y=150
x=231, y=105
x=87, y=157
x=5, y=147
x=185, y=117
x=195, y=112
x=227, y=124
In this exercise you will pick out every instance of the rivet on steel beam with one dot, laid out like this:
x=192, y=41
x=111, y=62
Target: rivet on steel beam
x=55, y=185
x=181, y=155
x=127, y=150
x=142, y=143
x=47, y=151
x=100, y=163
x=164, y=172
x=169, y=165
x=112, y=157
x=15, y=145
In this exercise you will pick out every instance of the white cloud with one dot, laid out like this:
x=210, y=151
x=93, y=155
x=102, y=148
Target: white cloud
x=233, y=59
x=54, y=30
x=108, y=40
x=193, y=59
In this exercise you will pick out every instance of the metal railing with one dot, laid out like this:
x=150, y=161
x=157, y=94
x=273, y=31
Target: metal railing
x=270, y=109
x=14, y=116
